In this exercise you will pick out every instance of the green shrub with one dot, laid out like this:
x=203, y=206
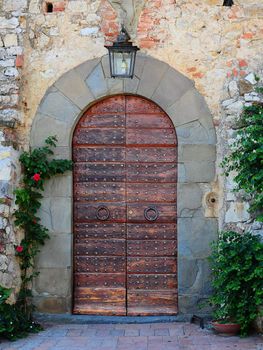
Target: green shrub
x=237, y=278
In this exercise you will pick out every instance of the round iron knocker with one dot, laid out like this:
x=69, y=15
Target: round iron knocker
x=103, y=213
x=153, y=217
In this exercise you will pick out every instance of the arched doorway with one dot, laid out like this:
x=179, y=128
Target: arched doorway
x=125, y=179
x=59, y=112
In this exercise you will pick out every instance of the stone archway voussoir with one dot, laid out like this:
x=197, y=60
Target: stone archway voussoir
x=74, y=88
x=171, y=88
x=58, y=106
x=45, y=126
x=152, y=73
x=188, y=108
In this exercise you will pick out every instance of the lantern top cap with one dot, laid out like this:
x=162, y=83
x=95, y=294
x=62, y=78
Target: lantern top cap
x=122, y=42
x=123, y=37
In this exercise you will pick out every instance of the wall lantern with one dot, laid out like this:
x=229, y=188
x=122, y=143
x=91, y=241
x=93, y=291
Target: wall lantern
x=122, y=55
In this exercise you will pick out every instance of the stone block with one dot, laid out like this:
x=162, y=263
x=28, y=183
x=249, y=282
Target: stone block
x=42, y=126
x=5, y=170
x=193, y=303
x=10, y=40
x=189, y=198
x=11, y=72
x=89, y=31
x=62, y=153
x=151, y=76
x=190, y=107
x=7, y=63
x=237, y=212
x=78, y=6
x=56, y=253
x=194, y=276
x=115, y=86
x=57, y=106
x=55, y=214
x=199, y=171
x=52, y=305
x=87, y=67
x=59, y=186
x=131, y=85
x=139, y=65
x=74, y=88
x=14, y=5
x=195, y=236
x=4, y=188
x=172, y=87
x=6, y=23
x=54, y=281
x=97, y=83
x=194, y=133
x=106, y=66
x=197, y=153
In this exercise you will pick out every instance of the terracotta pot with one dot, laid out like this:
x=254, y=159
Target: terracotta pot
x=226, y=329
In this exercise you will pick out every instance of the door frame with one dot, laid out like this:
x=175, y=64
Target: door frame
x=58, y=113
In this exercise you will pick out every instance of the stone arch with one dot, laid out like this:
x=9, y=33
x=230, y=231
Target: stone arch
x=61, y=107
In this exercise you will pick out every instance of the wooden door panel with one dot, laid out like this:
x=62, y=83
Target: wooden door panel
x=101, y=280
x=144, y=172
x=100, y=247
x=92, y=120
x=101, y=264
x=153, y=302
x=103, y=300
x=164, y=212
x=92, y=136
x=151, y=154
x=152, y=231
x=141, y=106
x=151, y=120
x=100, y=230
x=91, y=212
x=99, y=172
x=164, y=265
x=151, y=248
x=151, y=282
x=88, y=192
x=99, y=154
x=114, y=104
x=150, y=137
x=148, y=192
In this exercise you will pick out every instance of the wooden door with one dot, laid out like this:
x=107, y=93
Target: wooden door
x=125, y=156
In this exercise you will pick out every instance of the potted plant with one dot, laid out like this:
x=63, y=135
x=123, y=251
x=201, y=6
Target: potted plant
x=237, y=280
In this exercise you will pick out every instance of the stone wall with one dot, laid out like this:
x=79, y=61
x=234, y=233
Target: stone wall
x=218, y=48
x=11, y=116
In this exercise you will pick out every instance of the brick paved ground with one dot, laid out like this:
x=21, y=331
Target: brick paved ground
x=155, y=336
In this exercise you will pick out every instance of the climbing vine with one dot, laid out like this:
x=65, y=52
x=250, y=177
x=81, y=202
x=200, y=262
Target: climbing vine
x=16, y=320
x=246, y=157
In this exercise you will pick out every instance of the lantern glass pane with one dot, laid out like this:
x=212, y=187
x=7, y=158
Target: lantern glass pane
x=121, y=64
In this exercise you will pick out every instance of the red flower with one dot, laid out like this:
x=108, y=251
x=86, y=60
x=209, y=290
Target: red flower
x=36, y=177
x=19, y=249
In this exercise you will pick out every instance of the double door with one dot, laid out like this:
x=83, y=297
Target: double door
x=125, y=173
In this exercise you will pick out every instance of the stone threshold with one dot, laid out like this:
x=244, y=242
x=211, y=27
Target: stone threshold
x=93, y=319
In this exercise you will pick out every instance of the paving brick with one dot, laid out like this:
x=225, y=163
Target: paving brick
x=161, y=331
x=132, y=332
x=117, y=332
